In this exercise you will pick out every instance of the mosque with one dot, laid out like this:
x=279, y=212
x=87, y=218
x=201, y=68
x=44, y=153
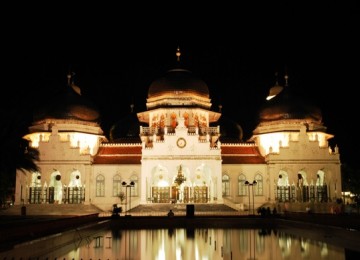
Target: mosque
x=181, y=151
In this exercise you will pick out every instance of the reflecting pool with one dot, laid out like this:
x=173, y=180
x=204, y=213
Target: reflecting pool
x=179, y=243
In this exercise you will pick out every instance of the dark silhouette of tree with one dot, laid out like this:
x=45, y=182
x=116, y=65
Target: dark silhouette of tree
x=15, y=152
x=27, y=158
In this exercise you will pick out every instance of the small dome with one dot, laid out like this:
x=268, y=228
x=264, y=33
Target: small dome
x=178, y=81
x=288, y=105
x=230, y=131
x=68, y=104
x=126, y=130
x=274, y=91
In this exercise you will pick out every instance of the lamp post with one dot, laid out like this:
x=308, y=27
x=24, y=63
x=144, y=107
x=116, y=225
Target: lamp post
x=126, y=185
x=247, y=183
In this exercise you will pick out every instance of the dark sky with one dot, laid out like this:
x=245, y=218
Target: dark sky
x=235, y=50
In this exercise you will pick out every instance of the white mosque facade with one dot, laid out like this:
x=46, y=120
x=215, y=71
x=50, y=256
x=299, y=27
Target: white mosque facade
x=179, y=154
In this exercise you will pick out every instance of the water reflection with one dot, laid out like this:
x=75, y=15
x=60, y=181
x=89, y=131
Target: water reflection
x=205, y=243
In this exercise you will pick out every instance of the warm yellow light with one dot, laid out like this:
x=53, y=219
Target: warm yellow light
x=274, y=91
x=270, y=97
x=320, y=137
x=36, y=137
x=85, y=142
x=163, y=183
x=273, y=141
x=270, y=143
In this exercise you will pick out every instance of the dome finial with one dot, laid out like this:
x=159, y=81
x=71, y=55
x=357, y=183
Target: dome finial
x=286, y=78
x=71, y=82
x=70, y=78
x=132, y=107
x=220, y=107
x=178, y=54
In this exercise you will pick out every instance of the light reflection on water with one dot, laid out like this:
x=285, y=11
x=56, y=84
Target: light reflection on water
x=202, y=243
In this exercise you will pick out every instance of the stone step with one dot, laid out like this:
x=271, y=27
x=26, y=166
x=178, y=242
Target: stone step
x=81, y=209
x=51, y=209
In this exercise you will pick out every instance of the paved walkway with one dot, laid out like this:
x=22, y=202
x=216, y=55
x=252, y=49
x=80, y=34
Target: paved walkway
x=40, y=212
x=153, y=209
x=183, y=209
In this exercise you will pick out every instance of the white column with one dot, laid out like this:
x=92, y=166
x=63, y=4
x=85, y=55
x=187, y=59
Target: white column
x=144, y=182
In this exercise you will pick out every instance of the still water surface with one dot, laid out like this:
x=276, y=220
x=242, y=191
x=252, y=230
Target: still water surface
x=188, y=244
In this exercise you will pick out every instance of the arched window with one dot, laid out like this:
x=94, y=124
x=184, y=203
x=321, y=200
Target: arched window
x=302, y=180
x=225, y=185
x=320, y=177
x=100, y=186
x=241, y=185
x=321, y=187
x=283, y=179
x=283, y=187
x=302, y=191
x=116, y=185
x=35, y=188
x=35, y=179
x=135, y=188
x=259, y=187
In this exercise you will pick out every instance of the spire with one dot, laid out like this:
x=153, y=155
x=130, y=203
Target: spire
x=220, y=108
x=70, y=82
x=286, y=78
x=69, y=78
x=178, y=54
x=132, y=107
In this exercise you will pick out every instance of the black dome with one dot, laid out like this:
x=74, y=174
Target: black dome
x=68, y=104
x=288, y=105
x=178, y=80
x=126, y=130
x=230, y=131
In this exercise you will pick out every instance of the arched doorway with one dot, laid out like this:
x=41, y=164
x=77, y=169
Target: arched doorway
x=75, y=190
x=55, y=188
x=160, y=188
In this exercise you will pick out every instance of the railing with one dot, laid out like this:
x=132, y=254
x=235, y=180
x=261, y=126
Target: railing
x=304, y=194
x=177, y=213
x=70, y=195
x=147, y=131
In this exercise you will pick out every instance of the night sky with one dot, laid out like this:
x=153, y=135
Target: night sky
x=235, y=51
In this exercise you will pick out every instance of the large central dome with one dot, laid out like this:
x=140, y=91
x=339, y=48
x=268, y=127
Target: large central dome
x=178, y=80
x=178, y=87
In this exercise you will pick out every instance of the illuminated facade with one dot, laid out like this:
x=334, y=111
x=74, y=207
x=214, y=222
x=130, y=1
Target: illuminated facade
x=178, y=152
